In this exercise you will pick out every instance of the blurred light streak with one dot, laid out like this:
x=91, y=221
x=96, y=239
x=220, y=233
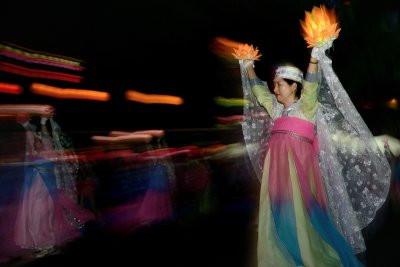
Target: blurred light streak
x=224, y=47
x=43, y=61
x=34, y=73
x=229, y=120
x=152, y=98
x=154, y=133
x=40, y=57
x=212, y=149
x=233, y=150
x=69, y=93
x=8, y=88
x=230, y=102
x=128, y=138
x=15, y=109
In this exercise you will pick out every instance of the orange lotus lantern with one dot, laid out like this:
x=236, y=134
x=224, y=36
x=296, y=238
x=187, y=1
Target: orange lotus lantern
x=246, y=52
x=319, y=26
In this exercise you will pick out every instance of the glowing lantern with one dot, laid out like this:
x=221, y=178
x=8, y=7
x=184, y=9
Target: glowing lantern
x=319, y=26
x=246, y=52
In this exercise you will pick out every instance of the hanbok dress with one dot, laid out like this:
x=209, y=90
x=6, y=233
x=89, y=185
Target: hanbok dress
x=47, y=217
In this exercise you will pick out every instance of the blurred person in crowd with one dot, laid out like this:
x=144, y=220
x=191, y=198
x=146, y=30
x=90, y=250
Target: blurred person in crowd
x=48, y=216
x=12, y=151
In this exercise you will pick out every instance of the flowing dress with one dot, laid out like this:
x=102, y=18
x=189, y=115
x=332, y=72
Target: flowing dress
x=295, y=228
x=47, y=217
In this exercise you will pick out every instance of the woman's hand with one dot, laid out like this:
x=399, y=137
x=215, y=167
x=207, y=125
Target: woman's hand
x=319, y=52
x=247, y=63
x=43, y=120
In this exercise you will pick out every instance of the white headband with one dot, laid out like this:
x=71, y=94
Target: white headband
x=289, y=72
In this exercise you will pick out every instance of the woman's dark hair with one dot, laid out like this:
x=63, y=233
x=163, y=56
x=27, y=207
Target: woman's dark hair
x=299, y=86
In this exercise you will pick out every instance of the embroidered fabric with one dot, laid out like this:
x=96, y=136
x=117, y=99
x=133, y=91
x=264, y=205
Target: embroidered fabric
x=355, y=172
x=256, y=124
x=67, y=164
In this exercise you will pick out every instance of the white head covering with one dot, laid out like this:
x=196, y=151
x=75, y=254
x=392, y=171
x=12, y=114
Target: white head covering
x=289, y=72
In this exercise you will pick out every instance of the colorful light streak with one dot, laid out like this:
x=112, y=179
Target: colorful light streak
x=152, y=98
x=69, y=93
x=14, y=109
x=223, y=47
x=154, y=133
x=28, y=55
x=43, y=61
x=230, y=102
x=8, y=88
x=34, y=73
x=128, y=138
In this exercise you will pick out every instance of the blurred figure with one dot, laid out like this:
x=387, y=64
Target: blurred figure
x=12, y=151
x=47, y=217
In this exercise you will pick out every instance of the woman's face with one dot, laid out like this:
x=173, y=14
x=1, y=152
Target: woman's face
x=285, y=93
x=37, y=144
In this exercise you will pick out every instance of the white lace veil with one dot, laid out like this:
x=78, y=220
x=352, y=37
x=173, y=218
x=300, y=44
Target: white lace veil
x=66, y=161
x=355, y=172
x=256, y=125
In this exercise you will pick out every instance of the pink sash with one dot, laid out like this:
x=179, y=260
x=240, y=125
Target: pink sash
x=297, y=127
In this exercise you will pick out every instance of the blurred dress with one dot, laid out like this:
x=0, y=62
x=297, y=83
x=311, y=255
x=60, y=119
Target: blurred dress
x=294, y=225
x=47, y=217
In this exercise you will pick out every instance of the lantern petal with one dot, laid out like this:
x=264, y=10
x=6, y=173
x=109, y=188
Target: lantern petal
x=246, y=52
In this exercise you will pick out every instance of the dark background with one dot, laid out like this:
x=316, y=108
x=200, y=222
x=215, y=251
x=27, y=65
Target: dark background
x=164, y=47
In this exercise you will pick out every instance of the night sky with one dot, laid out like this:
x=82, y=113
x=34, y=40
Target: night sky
x=164, y=47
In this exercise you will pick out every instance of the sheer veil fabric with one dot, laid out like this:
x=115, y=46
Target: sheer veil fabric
x=356, y=173
x=67, y=164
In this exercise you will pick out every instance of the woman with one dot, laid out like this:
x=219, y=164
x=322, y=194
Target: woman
x=47, y=217
x=305, y=219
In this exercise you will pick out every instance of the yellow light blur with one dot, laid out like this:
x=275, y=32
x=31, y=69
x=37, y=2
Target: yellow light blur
x=230, y=102
x=392, y=103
